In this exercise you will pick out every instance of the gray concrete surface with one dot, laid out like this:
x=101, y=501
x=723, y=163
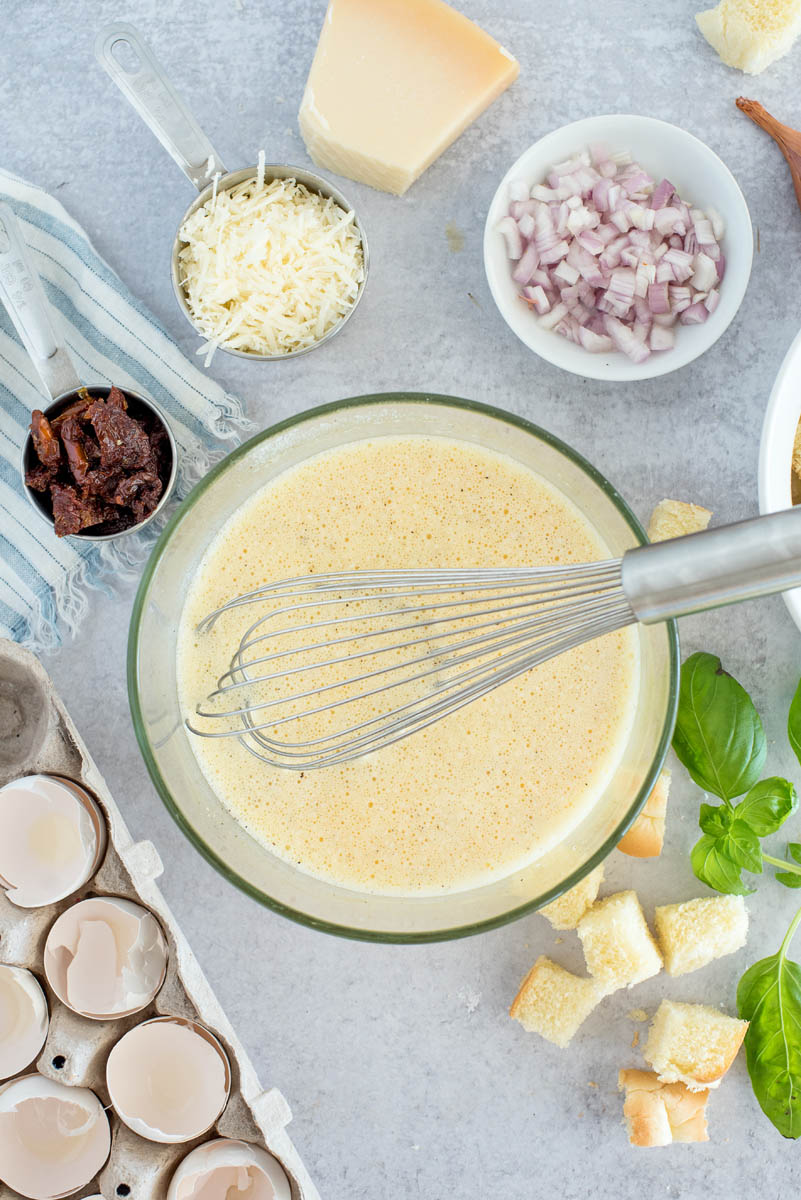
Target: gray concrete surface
x=406, y=1076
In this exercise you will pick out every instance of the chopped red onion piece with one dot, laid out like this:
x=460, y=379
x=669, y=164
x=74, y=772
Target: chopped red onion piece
x=608, y=169
x=712, y=300
x=539, y=192
x=665, y=319
x=662, y=194
x=553, y=318
x=526, y=226
x=511, y=234
x=527, y=265
x=661, y=338
x=566, y=272
x=590, y=241
x=658, y=299
x=625, y=340
x=695, y=314
x=556, y=253
x=518, y=189
x=596, y=343
x=705, y=274
x=680, y=298
x=536, y=296
x=718, y=228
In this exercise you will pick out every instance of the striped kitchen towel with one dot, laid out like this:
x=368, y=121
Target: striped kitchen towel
x=112, y=338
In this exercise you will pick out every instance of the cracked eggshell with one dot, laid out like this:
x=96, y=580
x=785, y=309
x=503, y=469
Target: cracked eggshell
x=53, y=1139
x=224, y=1168
x=52, y=839
x=105, y=957
x=168, y=1079
x=24, y=1019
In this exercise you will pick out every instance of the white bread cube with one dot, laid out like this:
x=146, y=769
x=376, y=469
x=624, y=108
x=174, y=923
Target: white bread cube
x=692, y=1044
x=674, y=518
x=657, y=1113
x=618, y=945
x=645, y=838
x=695, y=932
x=751, y=34
x=553, y=1002
x=566, y=911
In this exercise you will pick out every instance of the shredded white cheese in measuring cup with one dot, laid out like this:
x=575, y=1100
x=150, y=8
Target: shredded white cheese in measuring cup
x=269, y=267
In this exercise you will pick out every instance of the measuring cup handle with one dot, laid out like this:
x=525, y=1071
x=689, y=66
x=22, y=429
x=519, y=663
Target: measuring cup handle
x=158, y=104
x=22, y=294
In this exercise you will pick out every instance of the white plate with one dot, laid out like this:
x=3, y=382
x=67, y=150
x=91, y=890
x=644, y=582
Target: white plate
x=666, y=152
x=776, y=448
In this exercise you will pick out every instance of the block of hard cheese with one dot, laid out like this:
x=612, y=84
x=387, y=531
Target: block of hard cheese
x=393, y=83
x=751, y=34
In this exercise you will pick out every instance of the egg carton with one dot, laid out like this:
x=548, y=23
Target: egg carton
x=38, y=736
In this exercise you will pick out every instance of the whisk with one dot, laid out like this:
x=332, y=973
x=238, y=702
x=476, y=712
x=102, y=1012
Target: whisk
x=336, y=666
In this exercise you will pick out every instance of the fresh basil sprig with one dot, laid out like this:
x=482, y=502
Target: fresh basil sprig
x=718, y=736
x=769, y=997
x=720, y=739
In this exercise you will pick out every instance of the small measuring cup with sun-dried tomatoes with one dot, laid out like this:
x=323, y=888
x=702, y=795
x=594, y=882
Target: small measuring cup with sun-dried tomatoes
x=98, y=461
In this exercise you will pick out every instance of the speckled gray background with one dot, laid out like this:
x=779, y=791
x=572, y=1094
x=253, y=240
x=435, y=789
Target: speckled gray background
x=406, y=1076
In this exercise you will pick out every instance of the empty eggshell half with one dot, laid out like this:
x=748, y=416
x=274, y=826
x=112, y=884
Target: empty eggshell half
x=168, y=1079
x=52, y=839
x=225, y=1168
x=105, y=957
x=23, y=1019
x=53, y=1139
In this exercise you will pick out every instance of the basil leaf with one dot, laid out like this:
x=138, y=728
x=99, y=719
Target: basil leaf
x=715, y=819
x=789, y=879
x=768, y=805
x=742, y=846
x=715, y=869
x=794, y=850
x=769, y=996
x=794, y=723
x=719, y=736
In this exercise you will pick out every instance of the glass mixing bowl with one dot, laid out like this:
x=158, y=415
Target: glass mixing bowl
x=166, y=744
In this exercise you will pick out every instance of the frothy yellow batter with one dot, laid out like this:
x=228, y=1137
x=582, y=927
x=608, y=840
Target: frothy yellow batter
x=486, y=790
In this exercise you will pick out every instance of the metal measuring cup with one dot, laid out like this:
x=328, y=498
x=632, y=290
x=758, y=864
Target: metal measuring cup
x=23, y=296
x=148, y=89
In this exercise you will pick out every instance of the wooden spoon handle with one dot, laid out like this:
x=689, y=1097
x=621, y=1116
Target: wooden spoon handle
x=788, y=139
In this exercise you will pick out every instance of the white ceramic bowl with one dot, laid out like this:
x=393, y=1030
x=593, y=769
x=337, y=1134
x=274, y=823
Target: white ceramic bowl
x=776, y=448
x=666, y=152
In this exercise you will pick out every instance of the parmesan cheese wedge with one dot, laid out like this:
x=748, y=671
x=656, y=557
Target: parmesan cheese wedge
x=393, y=84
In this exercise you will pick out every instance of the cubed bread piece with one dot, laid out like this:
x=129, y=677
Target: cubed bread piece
x=567, y=911
x=618, y=945
x=674, y=518
x=657, y=1113
x=553, y=1002
x=645, y=838
x=693, y=933
x=692, y=1044
x=751, y=34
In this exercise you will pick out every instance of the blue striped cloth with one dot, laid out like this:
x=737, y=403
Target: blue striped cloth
x=112, y=338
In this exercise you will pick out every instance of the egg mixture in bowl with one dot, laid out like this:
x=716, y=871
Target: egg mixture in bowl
x=476, y=819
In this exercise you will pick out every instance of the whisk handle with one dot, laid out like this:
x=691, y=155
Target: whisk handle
x=714, y=568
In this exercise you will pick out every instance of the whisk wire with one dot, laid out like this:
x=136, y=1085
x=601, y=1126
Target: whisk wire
x=473, y=643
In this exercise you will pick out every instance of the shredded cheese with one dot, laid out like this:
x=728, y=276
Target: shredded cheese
x=269, y=268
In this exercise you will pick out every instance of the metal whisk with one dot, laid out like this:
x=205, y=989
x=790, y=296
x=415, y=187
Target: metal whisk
x=337, y=666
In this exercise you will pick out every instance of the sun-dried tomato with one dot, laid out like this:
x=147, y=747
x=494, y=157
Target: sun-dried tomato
x=47, y=445
x=103, y=468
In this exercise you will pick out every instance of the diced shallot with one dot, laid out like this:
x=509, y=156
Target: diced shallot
x=511, y=234
x=610, y=259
